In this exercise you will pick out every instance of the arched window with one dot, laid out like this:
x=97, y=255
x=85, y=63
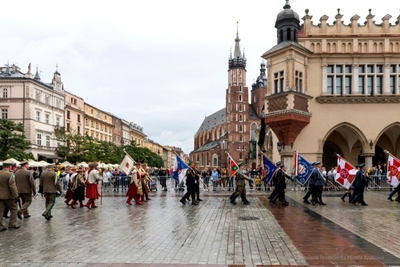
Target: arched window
x=215, y=162
x=240, y=98
x=288, y=34
x=240, y=107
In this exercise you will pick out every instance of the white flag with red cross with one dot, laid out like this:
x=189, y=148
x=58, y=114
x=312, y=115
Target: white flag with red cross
x=393, y=173
x=345, y=173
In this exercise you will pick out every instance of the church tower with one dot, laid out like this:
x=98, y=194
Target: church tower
x=237, y=103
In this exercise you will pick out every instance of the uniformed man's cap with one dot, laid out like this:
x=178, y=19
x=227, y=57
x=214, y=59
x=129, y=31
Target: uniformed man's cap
x=278, y=163
x=360, y=165
x=50, y=165
x=281, y=165
x=23, y=163
x=316, y=163
x=8, y=163
x=241, y=164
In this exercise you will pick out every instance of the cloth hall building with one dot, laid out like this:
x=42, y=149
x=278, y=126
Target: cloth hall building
x=330, y=89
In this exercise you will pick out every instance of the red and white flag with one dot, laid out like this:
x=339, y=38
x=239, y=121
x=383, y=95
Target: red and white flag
x=393, y=174
x=345, y=173
x=126, y=165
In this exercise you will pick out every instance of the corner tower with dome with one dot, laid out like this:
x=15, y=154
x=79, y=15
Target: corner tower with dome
x=328, y=83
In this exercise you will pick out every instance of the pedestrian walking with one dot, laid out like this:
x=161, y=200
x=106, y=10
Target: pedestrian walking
x=48, y=187
x=8, y=195
x=26, y=189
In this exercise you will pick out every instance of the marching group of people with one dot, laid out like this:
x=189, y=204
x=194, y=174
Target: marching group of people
x=18, y=186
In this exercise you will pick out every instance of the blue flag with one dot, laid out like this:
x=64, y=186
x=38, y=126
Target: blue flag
x=269, y=168
x=179, y=170
x=303, y=168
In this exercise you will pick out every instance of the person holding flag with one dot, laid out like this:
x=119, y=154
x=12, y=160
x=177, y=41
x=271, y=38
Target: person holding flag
x=240, y=186
x=191, y=175
x=393, y=176
x=135, y=189
x=280, y=185
x=319, y=182
x=359, y=184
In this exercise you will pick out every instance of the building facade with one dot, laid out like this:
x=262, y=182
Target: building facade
x=37, y=105
x=136, y=134
x=333, y=89
x=233, y=128
x=98, y=123
x=74, y=114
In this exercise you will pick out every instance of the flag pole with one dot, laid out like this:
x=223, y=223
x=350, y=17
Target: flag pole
x=129, y=155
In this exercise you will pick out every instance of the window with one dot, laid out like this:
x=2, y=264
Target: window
x=97, y=125
x=68, y=114
x=86, y=122
x=39, y=139
x=48, y=140
x=394, y=87
x=92, y=124
x=279, y=81
x=101, y=127
x=37, y=115
x=240, y=128
x=4, y=113
x=68, y=127
x=339, y=80
x=370, y=79
x=47, y=118
x=105, y=128
x=79, y=118
x=5, y=92
x=58, y=121
x=38, y=95
x=240, y=98
x=78, y=129
x=299, y=81
x=240, y=117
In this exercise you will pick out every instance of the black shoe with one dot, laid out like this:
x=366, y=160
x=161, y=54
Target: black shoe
x=4, y=229
x=312, y=202
x=46, y=216
x=14, y=227
x=342, y=198
x=246, y=203
x=306, y=201
x=195, y=203
x=354, y=203
x=183, y=201
x=364, y=204
x=199, y=200
x=285, y=203
x=273, y=201
x=6, y=216
x=19, y=216
x=397, y=199
x=233, y=202
x=391, y=199
x=322, y=203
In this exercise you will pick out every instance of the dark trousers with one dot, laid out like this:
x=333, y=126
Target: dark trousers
x=358, y=195
x=396, y=190
x=310, y=192
x=197, y=189
x=191, y=191
x=317, y=193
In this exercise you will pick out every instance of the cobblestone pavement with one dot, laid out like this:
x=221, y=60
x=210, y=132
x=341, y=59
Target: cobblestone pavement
x=163, y=232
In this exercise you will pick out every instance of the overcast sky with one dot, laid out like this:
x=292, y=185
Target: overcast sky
x=161, y=64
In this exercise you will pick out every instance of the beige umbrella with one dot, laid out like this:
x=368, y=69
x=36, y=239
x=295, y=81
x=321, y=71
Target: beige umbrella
x=43, y=163
x=33, y=163
x=67, y=164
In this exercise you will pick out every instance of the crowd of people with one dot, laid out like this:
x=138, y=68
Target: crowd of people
x=19, y=185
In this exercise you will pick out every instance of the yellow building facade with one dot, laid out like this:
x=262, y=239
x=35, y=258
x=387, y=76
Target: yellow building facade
x=98, y=124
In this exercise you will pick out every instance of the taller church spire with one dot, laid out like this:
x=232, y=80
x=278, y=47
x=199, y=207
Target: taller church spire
x=238, y=60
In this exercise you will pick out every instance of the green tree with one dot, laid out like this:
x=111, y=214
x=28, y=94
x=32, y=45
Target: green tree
x=145, y=154
x=13, y=143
